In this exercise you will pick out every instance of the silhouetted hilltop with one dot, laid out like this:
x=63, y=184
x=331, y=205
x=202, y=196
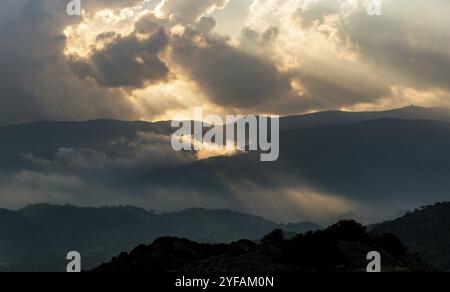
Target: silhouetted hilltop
x=341, y=247
x=425, y=231
x=341, y=117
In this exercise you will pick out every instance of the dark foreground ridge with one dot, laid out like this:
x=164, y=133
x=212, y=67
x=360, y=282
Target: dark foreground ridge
x=342, y=247
x=424, y=231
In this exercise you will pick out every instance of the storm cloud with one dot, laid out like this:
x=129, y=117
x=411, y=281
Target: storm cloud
x=292, y=56
x=35, y=80
x=127, y=62
x=229, y=76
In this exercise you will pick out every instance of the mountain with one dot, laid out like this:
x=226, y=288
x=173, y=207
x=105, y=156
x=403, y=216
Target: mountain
x=225, y=225
x=425, y=231
x=16, y=236
x=378, y=164
x=37, y=237
x=43, y=139
x=373, y=167
x=14, y=225
x=402, y=159
x=384, y=165
x=340, y=117
x=341, y=247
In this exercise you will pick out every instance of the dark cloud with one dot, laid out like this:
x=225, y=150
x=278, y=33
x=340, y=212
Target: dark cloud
x=106, y=36
x=229, y=76
x=406, y=46
x=35, y=80
x=127, y=62
x=206, y=24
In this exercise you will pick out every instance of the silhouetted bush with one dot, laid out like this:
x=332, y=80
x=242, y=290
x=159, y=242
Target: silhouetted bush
x=348, y=230
x=341, y=247
x=275, y=236
x=392, y=245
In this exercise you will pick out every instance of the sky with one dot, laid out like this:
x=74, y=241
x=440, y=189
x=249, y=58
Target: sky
x=155, y=59
x=158, y=59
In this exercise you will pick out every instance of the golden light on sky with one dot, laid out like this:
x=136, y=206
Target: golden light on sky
x=155, y=59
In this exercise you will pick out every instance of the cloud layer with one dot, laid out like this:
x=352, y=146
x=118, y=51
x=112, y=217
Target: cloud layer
x=291, y=56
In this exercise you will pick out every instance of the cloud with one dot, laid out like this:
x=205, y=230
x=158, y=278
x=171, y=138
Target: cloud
x=292, y=56
x=187, y=11
x=149, y=151
x=145, y=151
x=230, y=77
x=126, y=62
x=409, y=41
x=347, y=58
x=35, y=80
x=315, y=13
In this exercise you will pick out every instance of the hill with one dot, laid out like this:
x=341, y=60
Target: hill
x=341, y=247
x=424, y=231
x=37, y=237
x=341, y=117
x=384, y=165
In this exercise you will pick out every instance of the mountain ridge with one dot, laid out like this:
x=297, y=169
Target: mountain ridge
x=341, y=247
x=45, y=232
x=311, y=119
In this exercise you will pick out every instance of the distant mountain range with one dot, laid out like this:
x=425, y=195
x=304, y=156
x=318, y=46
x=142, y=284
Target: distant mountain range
x=381, y=165
x=389, y=161
x=340, y=248
x=340, y=117
x=37, y=237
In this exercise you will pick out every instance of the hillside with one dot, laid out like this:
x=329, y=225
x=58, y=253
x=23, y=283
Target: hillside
x=341, y=117
x=37, y=237
x=370, y=160
x=385, y=165
x=341, y=247
x=425, y=231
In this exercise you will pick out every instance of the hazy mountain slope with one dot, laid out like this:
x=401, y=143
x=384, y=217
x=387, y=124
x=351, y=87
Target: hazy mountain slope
x=386, y=164
x=340, y=117
x=225, y=225
x=341, y=247
x=18, y=238
x=388, y=158
x=425, y=231
x=391, y=163
x=43, y=139
x=37, y=237
x=14, y=225
x=61, y=218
